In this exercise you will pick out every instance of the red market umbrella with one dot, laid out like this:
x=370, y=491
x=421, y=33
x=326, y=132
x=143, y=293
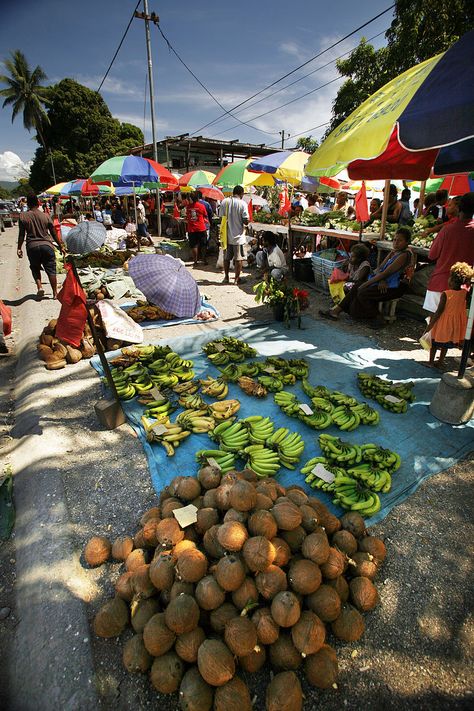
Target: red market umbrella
x=166, y=179
x=210, y=191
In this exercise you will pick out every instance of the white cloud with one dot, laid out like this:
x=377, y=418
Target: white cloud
x=12, y=167
x=293, y=49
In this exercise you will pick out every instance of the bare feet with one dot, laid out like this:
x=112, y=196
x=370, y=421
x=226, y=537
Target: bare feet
x=40, y=294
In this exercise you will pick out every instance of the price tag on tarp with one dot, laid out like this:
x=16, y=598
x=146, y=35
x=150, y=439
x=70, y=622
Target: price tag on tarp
x=212, y=463
x=159, y=428
x=392, y=398
x=323, y=473
x=219, y=347
x=306, y=409
x=186, y=516
x=269, y=369
x=156, y=394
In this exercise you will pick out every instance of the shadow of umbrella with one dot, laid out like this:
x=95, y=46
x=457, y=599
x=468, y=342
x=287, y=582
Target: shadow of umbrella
x=166, y=282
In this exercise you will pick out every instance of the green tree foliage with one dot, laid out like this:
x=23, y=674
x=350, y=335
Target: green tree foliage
x=420, y=29
x=81, y=133
x=24, y=92
x=306, y=143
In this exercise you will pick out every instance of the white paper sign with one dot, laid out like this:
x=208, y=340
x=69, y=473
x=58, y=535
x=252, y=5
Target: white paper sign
x=156, y=394
x=269, y=369
x=392, y=398
x=186, y=516
x=323, y=473
x=159, y=428
x=306, y=409
x=219, y=347
x=212, y=463
x=118, y=324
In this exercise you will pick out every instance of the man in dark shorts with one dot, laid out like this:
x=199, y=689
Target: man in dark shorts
x=38, y=230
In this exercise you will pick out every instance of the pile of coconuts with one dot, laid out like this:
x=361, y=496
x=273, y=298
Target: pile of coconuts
x=263, y=575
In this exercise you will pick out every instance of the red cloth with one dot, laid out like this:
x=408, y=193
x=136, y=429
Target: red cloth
x=6, y=314
x=73, y=315
x=250, y=209
x=362, y=209
x=176, y=211
x=285, y=203
x=196, y=215
x=454, y=243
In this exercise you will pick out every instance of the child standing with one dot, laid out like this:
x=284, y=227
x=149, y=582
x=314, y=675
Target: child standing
x=447, y=326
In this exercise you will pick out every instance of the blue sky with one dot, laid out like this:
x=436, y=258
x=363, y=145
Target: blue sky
x=234, y=49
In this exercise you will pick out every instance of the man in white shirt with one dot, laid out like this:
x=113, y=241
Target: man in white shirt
x=271, y=259
x=236, y=212
x=301, y=200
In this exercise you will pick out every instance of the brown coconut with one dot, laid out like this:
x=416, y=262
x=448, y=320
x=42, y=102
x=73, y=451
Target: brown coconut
x=209, y=499
x=170, y=505
x=374, y=546
x=267, y=628
x=211, y=544
x=258, y=553
x=315, y=547
x=209, y=594
x=194, y=693
x=240, y=636
x=294, y=538
x=304, y=576
x=349, y=626
x=111, y=619
x=234, y=515
x=123, y=587
x=97, y=551
x=169, y=532
x=220, y=616
x=310, y=520
x=282, y=551
x=297, y=495
x=135, y=559
x=341, y=586
x=321, y=668
x=271, y=581
x=149, y=532
x=206, y=517
x=209, y=477
x=191, y=565
x=153, y=513
x=263, y=502
x=223, y=495
x=143, y=611
x=243, y=496
x=161, y=572
x=73, y=355
x=179, y=587
x=248, y=475
x=139, y=539
x=363, y=594
x=283, y=653
x=284, y=693
x=325, y=603
x=245, y=595
x=287, y=515
x=233, y=696
x=157, y=636
x=232, y=535
x=184, y=545
x=255, y=660
x=135, y=657
x=230, y=572
x=354, y=523
x=182, y=614
x=187, y=644
x=268, y=489
x=188, y=488
x=335, y=564
x=215, y=662
x=309, y=633
x=286, y=609
x=167, y=672
x=122, y=547
x=363, y=564
x=345, y=542
x=141, y=584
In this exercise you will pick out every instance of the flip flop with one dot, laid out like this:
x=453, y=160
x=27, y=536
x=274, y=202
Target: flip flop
x=40, y=294
x=328, y=315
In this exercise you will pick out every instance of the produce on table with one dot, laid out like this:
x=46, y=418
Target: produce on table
x=392, y=396
x=57, y=354
x=227, y=349
x=199, y=616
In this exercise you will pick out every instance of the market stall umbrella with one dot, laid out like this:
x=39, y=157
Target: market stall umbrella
x=284, y=165
x=86, y=237
x=166, y=179
x=210, y=191
x=166, y=282
x=423, y=118
x=455, y=184
x=194, y=178
x=83, y=187
x=123, y=170
x=255, y=199
x=319, y=185
x=238, y=174
x=123, y=191
x=55, y=189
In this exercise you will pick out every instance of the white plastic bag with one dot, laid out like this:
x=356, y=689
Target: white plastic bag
x=118, y=324
x=220, y=259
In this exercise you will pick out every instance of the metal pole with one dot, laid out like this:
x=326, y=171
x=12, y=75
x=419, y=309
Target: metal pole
x=466, y=350
x=386, y=194
x=152, y=107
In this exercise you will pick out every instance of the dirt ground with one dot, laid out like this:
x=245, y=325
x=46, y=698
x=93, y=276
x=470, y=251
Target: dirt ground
x=418, y=648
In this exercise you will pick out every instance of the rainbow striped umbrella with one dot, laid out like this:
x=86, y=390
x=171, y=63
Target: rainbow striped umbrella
x=283, y=165
x=190, y=181
x=85, y=188
x=238, y=174
x=454, y=184
x=421, y=119
x=55, y=189
x=125, y=170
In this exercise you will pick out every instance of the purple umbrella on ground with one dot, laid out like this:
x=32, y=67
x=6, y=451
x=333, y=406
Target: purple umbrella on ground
x=166, y=282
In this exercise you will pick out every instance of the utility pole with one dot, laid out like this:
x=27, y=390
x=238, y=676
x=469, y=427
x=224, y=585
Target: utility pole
x=283, y=135
x=155, y=19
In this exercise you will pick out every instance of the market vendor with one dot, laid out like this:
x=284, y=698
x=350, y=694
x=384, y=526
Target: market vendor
x=271, y=259
x=454, y=243
x=342, y=204
x=452, y=213
x=394, y=207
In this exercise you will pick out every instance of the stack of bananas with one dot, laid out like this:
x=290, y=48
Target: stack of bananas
x=192, y=402
x=171, y=370
x=226, y=350
x=231, y=436
x=367, y=414
x=392, y=396
x=125, y=389
x=169, y=437
x=316, y=482
x=288, y=445
x=224, y=460
x=197, y=421
x=288, y=403
x=345, y=418
x=271, y=383
x=374, y=478
x=190, y=387
x=346, y=412
x=350, y=495
x=344, y=453
x=385, y=458
x=224, y=409
x=159, y=409
x=215, y=387
x=263, y=461
x=251, y=387
x=259, y=428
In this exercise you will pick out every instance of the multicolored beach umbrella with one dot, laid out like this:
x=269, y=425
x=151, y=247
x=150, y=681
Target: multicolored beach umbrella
x=189, y=181
x=55, y=189
x=126, y=170
x=454, y=184
x=284, y=165
x=238, y=174
x=421, y=119
x=85, y=188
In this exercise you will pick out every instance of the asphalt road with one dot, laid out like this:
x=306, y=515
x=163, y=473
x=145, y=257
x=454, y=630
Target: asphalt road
x=74, y=480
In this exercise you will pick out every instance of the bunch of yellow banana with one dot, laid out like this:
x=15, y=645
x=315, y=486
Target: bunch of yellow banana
x=189, y=387
x=157, y=409
x=224, y=409
x=192, y=402
x=165, y=380
x=144, y=352
x=169, y=438
x=232, y=436
x=271, y=383
x=367, y=414
x=374, y=478
x=198, y=421
x=251, y=387
x=385, y=458
x=345, y=418
x=288, y=445
x=263, y=461
x=351, y=496
x=259, y=428
x=224, y=460
x=148, y=423
x=215, y=387
x=219, y=358
x=125, y=392
x=338, y=451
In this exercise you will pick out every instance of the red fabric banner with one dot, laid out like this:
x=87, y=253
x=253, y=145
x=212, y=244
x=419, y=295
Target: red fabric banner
x=285, y=203
x=361, y=207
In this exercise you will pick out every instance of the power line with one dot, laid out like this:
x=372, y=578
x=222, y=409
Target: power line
x=297, y=68
x=302, y=133
x=118, y=48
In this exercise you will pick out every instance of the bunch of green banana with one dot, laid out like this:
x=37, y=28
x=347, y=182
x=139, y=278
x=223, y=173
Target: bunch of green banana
x=385, y=458
x=159, y=409
x=225, y=460
x=299, y=367
x=345, y=418
x=288, y=445
x=367, y=414
x=215, y=387
x=226, y=350
x=336, y=450
x=125, y=389
x=224, y=409
x=374, y=478
x=259, y=428
x=350, y=495
x=190, y=387
x=170, y=438
x=231, y=372
x=251, y=387
x=192, y=402
x=165, y=380
x=287, y=402
x=271, y=383
x=250, y=369
x=263, y=461
x=321, y=403
x=392, y=403
x=231, y=436
x=198, y=421
x=315, y=391
x=339, y=398
x=329, y=466
x=319, y=420
x=145, y=352
x=392, y=396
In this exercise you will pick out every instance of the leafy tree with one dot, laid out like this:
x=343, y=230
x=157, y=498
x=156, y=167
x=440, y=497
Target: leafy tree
x=5, y=194
x=23, y=188
x=420, y=29
x=81, y=133
x=306, y=143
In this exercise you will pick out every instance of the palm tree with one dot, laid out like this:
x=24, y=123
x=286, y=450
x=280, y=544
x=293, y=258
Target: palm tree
x=25, y=94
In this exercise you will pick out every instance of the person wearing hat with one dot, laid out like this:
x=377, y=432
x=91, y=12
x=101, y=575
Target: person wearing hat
x=300, y=200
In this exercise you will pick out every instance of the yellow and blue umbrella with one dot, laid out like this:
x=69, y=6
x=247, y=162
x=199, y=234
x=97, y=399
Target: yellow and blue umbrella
x=421, y=119
x=55, y=189
x=238, y=174
x=283, y=165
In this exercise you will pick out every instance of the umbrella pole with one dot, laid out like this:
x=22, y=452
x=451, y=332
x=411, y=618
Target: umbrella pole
x=422, y=198
x=136, y=219
x=386, y=194
x=466, y=349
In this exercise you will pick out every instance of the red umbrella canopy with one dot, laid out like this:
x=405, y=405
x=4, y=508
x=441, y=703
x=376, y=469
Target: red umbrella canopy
x=167, y=179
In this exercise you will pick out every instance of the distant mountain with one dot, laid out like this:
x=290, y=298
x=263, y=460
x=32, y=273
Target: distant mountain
x=8, y=184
